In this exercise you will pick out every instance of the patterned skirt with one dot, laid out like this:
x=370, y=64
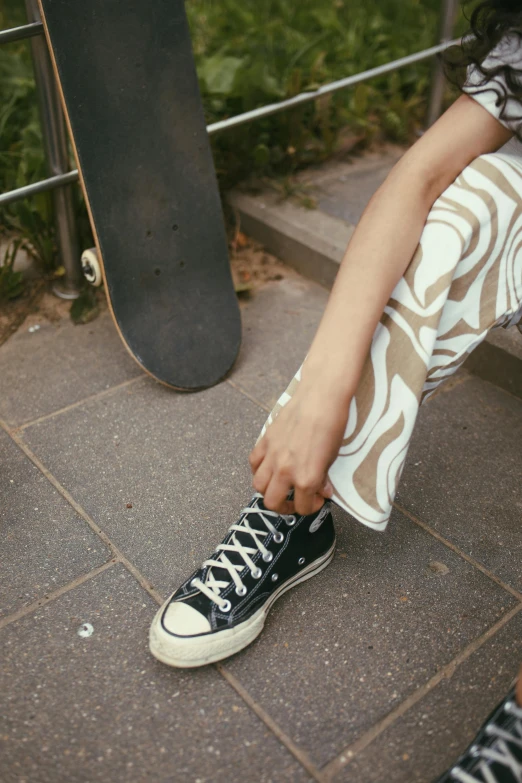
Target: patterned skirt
x=465, y=279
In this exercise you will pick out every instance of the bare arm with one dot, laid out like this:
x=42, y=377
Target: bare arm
x=299, y=447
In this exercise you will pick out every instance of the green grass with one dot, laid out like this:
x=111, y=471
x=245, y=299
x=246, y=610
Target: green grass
x=249, y=53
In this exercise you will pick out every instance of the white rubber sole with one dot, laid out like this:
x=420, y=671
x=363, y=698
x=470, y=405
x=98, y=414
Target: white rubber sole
x=189, y=651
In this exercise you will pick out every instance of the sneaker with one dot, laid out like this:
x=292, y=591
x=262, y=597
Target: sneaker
x=222, y=607
x=495, y=756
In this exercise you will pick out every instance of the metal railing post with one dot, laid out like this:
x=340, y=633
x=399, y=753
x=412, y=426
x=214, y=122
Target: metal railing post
x=438, y=81
x=56, y=152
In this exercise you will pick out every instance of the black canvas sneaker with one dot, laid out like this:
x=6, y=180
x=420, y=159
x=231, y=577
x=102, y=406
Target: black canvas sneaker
x=222, y=607
x=495, y=756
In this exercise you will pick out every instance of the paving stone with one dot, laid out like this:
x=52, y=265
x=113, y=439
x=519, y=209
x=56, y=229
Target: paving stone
x=499, y=360
x=45, y=544
x=279, y=324
x=59, y=364
x=346, y=192
x=339, y=652
x=463, y=474
x=509, y=340
x=100, y=708
x=429, y=738
x=179, y=459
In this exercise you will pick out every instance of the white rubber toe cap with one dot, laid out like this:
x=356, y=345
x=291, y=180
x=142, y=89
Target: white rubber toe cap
x=183, y=620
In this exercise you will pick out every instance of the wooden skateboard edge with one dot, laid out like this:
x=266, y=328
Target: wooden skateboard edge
x=95, y=233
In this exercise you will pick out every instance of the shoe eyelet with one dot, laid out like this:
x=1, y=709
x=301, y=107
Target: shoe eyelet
x=226, y=606
x=241, y=591
x=268, y=557
x=275, y=577
x=301, y=561
x=291, y=520
x=193, y=582
x=278, y=537
x=257, y=573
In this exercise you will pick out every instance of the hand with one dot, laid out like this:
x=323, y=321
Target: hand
x=296, y=451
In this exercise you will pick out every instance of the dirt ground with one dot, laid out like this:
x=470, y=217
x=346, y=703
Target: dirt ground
x=251, y=267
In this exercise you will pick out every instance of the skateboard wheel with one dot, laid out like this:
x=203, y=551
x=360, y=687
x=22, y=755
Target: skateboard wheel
x=91, y=267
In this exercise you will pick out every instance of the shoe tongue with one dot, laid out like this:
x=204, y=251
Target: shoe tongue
x=244, y=538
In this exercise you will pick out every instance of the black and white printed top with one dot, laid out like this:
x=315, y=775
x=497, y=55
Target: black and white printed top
x=509, y=52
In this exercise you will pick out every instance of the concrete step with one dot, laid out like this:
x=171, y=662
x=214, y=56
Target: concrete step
x=313, y=241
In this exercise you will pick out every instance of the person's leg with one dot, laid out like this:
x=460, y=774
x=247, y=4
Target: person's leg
x=464, y=279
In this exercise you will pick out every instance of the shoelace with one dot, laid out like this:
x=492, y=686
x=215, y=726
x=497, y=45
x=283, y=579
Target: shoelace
x=212, y=587
x=499, y=752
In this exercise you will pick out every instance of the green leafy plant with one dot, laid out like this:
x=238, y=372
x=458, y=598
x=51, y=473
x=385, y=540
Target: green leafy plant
x=251, y=54
x=11, y=282
x=247, y=55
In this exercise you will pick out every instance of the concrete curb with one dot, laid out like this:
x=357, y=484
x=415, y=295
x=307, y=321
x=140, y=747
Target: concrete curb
x=309, y=240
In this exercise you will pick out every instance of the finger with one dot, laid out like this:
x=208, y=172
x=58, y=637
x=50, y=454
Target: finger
x=262, y=477
x=327, y=490
x=307, y=501
x=257, y=455
x=311, y=505
x=275, y=495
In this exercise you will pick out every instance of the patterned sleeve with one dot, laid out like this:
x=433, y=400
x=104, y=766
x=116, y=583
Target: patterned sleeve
x=507, y=52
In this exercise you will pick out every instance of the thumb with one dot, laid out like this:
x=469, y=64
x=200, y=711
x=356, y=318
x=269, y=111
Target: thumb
x=327, y=489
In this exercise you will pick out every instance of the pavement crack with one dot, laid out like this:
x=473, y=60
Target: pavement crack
x=300, y=755
x=49, y=597
x=246, y=394
x=458, y=551
x=96, y=396
x=334, y=766
x=116, y=552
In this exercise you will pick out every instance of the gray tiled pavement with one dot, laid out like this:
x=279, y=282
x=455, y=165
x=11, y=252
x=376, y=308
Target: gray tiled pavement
x=285, y=315
x=59, y=364
x=45, y=544
x=179, y=459
x=426, y=741
x=380, y=669
x=383, y=623
x=102, y=709
x=464, y=472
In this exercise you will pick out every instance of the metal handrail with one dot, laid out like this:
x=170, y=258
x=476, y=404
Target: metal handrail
x=326, y=89
x=19, y=33
x=255, y=114
x=39, y=187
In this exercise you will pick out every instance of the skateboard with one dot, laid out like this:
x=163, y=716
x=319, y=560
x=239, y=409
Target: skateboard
x=130, y=95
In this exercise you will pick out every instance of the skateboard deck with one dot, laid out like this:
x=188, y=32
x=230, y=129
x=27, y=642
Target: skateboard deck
x=131, y=98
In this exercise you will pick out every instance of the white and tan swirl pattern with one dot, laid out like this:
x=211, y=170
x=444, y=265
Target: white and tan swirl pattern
x=465, y=278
